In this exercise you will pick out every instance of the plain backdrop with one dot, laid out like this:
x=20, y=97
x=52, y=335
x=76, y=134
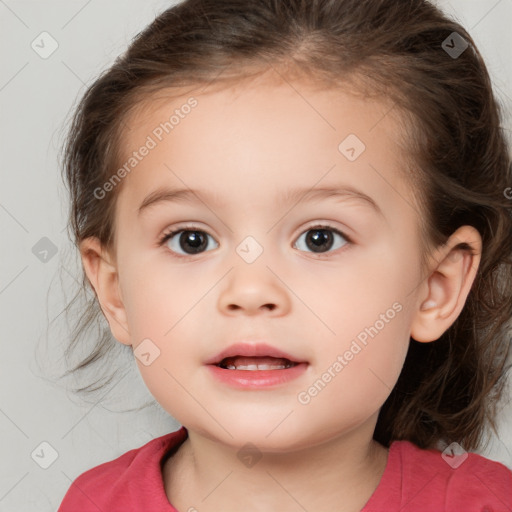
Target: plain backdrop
x=41, y=424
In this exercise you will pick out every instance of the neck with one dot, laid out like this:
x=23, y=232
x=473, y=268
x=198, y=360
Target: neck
x=339, y=474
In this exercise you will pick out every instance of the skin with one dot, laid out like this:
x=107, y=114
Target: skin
x=243, y=146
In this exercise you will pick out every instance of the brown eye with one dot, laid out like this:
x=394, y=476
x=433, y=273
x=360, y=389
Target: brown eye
x=321, y=239
x=190, y=242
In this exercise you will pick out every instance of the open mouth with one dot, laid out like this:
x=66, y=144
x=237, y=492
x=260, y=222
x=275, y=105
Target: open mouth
x=257, y=367
x=255, y=363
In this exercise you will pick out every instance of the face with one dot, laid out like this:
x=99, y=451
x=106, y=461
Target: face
x=328, y=277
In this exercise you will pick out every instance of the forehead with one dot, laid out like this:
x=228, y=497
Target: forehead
x=264, y=136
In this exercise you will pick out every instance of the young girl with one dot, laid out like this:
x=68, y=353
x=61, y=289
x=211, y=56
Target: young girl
x=298, y=216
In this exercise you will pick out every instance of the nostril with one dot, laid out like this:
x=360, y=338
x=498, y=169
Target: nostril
x=235, y=307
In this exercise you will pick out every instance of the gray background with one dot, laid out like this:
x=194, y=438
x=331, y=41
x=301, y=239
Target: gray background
x=36, y=97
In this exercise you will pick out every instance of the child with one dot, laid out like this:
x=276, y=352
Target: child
x=335, y=336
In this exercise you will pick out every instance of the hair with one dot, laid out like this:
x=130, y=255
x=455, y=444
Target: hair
x=456, y=156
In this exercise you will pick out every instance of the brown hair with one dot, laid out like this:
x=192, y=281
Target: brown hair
x=458, y=161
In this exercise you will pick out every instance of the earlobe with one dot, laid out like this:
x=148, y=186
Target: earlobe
x=448, y=285
x=103, y=276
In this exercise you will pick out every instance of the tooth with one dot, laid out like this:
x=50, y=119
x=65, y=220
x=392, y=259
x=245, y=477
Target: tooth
x=252, y=367
x=271, y=367
x=245, y=363
x=247, y=367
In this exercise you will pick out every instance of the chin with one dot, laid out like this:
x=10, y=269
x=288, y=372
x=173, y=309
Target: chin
x=266, y=435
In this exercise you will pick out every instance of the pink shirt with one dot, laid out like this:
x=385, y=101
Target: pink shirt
x=414, y=480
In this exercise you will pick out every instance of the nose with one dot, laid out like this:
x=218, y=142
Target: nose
x=253, y=289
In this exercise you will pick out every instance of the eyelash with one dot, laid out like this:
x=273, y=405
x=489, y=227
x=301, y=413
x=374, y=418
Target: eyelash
x=169, y=234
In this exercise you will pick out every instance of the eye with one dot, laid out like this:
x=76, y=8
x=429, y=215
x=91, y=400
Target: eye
x=191, y=241
x=320, y=239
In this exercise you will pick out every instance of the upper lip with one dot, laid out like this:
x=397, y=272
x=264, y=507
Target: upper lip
x=251, y=350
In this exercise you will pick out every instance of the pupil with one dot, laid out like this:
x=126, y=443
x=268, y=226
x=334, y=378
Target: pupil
x=194, y=239
x=319, y=238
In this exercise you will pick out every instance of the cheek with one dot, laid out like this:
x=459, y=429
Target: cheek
x=169, y=388
x=356, y=379
x=160, y=295
x=370, y=290
x=164, y=304
x=369, y=315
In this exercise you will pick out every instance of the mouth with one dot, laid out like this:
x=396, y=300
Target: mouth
x=254, y=357
x=246, y=366
x=255, y=363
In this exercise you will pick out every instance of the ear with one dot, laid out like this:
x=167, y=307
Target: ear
x=103, y=276
x=449, y=282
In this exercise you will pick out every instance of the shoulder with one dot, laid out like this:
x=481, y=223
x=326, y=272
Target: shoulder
x=120, y=484
x=462, y=481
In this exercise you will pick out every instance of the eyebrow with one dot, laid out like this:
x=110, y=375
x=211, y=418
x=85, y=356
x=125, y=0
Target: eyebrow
x=291, y=196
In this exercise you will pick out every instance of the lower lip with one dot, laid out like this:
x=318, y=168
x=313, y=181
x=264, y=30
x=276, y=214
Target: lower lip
x=257, y=379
